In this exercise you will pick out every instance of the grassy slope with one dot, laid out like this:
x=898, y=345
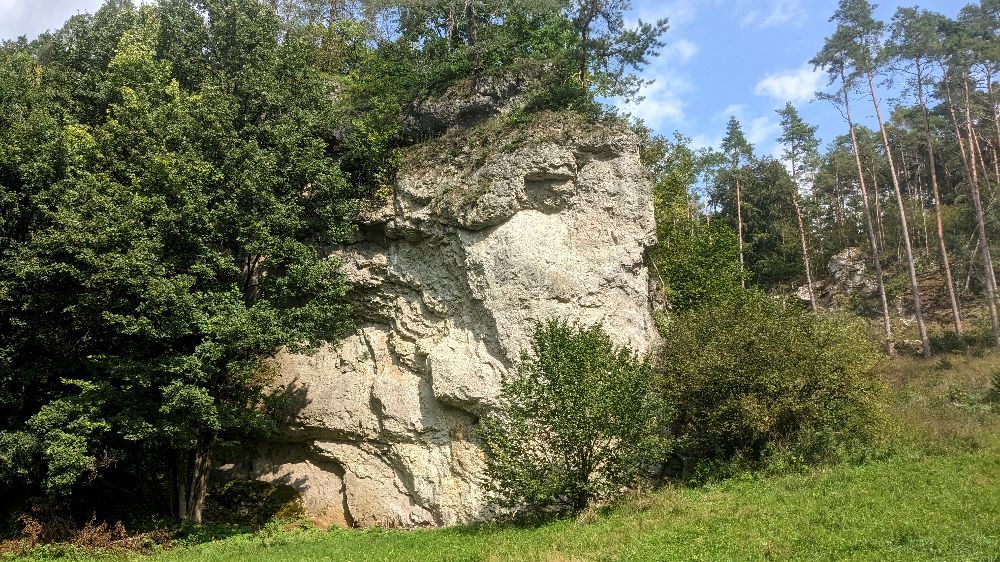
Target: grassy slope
x=938, y=498
x=942, y=507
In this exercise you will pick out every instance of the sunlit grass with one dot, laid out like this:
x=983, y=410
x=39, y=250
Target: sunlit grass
x=933, y=496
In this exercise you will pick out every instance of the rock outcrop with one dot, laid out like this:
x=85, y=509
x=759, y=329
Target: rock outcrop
x=474, y=100
x=848, y=272
x=488, y=232
x=848, y=275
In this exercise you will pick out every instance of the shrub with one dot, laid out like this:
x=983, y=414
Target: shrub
x=993, y=395
x=975, y=338
x=750, y=379
x=576, y=426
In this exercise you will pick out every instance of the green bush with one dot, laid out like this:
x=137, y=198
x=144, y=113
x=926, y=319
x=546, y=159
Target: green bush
x=577, y=425
x=974, y=338
x=751, y=380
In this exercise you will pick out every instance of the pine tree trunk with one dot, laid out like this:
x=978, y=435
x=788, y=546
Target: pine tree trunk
x=993, y=104
x=838, y=210
x=583, y=60
x=956, y=311
x=919, y=198
x=449, y=27
x=984, y=245
x=905, y=231
x=978, y=159
x=958, y=131
x=739, y=230
x=879, y=223
x=996, y=161
x=880, y=277
x=802, y=236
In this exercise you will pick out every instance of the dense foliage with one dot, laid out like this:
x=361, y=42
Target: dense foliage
x=577, y=425
x=743, y=382
x=750, y=379
x=172, y=175
x=695, y=261
x=163, y=238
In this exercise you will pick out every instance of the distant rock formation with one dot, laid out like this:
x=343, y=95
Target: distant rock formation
x=848, y=274
x=489, y=231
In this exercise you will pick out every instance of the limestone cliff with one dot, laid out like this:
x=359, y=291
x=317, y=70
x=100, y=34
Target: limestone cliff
x=489, y=230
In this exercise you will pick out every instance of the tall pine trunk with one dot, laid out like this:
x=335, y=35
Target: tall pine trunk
x=449, y=27
x=905, y=230
x=994, y=105
x=879, y=223
x=802, y=236
x=956, y=312
x=977, y=204
x=976, y=150
x=739, y=230
x=958, y=131
x=880, y=277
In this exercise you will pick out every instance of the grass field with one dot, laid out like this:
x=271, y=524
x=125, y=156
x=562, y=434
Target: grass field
x=936, y=496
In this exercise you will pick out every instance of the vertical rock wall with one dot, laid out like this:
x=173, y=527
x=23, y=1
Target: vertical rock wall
x=489, y=231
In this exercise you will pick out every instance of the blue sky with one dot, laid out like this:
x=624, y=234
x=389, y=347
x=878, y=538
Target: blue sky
x=745, y=58
x=723, y=57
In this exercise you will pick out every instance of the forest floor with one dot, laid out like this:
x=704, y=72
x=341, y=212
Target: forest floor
x=931, y=495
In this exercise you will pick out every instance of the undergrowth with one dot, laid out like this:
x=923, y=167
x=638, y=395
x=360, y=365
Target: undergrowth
x=927, y=492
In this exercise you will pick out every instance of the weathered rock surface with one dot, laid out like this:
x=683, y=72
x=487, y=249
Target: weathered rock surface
x=487, y=233
x=849, y=272
x=848, y=275
x=473, y=101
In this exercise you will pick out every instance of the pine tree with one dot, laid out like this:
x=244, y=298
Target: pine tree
x=801, y=151
x=915, y=40
x=864, y=51
x=956, y=61
x=833, y=59
x=738, y=153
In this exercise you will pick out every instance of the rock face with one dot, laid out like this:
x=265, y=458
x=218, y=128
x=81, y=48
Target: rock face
x=472, y=101
x=848, y=275
x=488, y=232
x=848, y=271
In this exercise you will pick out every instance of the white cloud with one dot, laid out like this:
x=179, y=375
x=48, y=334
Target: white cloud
x=761, y=129
x=774, y=12
x=749, y=19
x=737, y=110
x=705, y=140
x=681, y=50
x=785, y=11
x=678, y=12
x=32, y=17
x=795, y=86
x=662, y=104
